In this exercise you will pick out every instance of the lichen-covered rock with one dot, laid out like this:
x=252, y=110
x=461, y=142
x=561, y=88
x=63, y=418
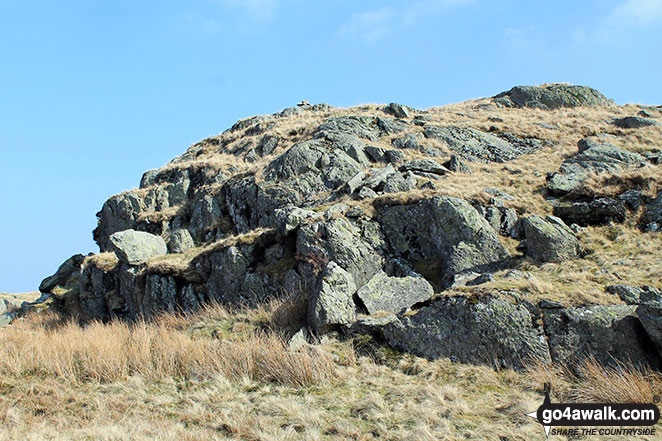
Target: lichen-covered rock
x=478, y=146
x=400, y=182
x=490, y=330
x=338, y=241
x=424, y=165
x=552, y=96
x=134, y=247
x=393, y=294
x=179, y=241
x=598, y=158
x=606, y=333
x=397, y=110
x=331, y=303
x=444, y=232
x=457, y=164
x=549, y=239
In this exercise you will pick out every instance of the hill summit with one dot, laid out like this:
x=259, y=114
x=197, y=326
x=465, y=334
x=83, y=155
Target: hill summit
x=493, y=231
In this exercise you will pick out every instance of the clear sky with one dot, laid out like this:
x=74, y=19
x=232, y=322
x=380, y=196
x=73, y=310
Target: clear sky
x=93, y=93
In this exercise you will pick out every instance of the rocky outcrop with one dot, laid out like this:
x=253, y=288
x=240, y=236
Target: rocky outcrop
x=549, y=239
x=634, y=122
x=552, y=96
x=350, y=213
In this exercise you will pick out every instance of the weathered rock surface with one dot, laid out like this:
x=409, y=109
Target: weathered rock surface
x=550, y=97
x=593, y=158
x=634, y=122
x=549, y=239
x=606, y=333
x=134, y=247
x=393, y=294
x=443, y=231
x=331, y=303
x=68, y=270
x=490, y=331
x=478, y=146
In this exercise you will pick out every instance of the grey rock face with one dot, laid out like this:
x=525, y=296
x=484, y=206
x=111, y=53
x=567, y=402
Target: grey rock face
x=338, y=241
x=134, y=247
x=593, y=212
x=478, y=146
x=553, y=96
x=331, y=302
x=394, y=294
x=634, y=122
x=598, y=158
x=443, y=230
x=400, y=182
x=628, y=293
x=549, y=239
x=68, y=270
x=180, y=240
x=489, y=331
x=456, y=164
x=650, y=316
x=607, y=333
x=119, y=213
x=653, y=212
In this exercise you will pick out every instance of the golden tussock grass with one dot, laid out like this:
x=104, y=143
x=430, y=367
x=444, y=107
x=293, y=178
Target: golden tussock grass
x=226, y=374
x=590, y=381
x=41, y=347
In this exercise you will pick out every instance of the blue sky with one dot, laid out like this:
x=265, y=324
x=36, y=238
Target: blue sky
x=93, y=93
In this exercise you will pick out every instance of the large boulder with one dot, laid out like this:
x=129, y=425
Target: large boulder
x=606, y=333
x=489, y=330
x=548, y=239
x=444, y=234
x=134, y=247
x=552, y=96
x=393, y=294
x=331, y=304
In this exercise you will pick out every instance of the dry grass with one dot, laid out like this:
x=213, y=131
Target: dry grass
x=42, y=347
x=592, y=382
x=222, y=374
